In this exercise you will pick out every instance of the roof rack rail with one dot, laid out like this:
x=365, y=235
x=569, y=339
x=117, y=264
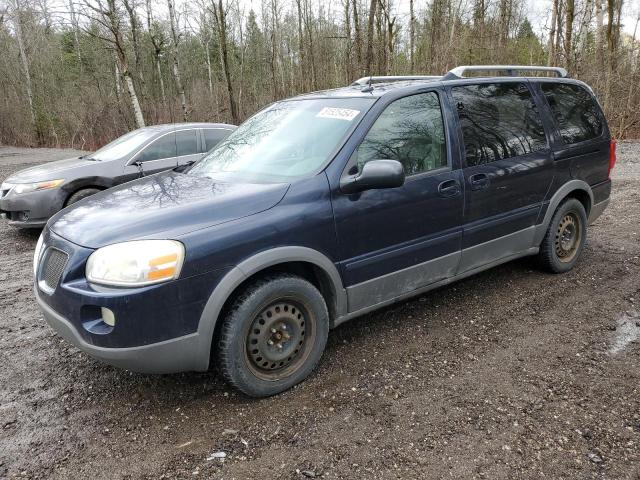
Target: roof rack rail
x=511, y=70
x=364, y=81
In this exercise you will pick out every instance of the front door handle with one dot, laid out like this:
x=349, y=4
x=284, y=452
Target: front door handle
x=479, y=181
x=449, y=188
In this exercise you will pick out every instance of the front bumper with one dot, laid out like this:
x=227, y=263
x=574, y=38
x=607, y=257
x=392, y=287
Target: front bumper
x=176, y=355
x=31, y=210
x=156, y=327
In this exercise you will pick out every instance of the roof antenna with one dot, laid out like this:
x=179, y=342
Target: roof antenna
x=369, y=87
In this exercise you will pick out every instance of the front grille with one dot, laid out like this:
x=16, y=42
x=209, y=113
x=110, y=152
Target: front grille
x=53, y=265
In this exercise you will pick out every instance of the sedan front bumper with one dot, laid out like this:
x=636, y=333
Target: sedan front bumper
x=31, y=210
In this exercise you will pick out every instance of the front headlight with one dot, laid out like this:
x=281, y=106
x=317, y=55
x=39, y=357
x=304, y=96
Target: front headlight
x=136, y=263
x=36, y=255
x=32, y=187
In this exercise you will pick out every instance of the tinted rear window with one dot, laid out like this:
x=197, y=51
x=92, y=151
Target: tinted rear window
x=499, y=121
x=576, y=112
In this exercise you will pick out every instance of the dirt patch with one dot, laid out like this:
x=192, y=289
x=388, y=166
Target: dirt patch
x=507, y=374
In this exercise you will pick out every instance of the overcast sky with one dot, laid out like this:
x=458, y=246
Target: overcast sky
x=538, y=11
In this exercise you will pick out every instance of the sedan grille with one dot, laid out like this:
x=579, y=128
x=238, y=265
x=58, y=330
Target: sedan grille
x=53, y=265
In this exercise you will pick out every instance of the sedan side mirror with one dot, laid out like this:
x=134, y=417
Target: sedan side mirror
x=375, y=174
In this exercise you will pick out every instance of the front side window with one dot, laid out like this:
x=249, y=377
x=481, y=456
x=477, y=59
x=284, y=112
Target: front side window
x=575, y=111
x=186, y=142
x=163, y=147
x=411, y=131
x=498, y=121
x=288, y=140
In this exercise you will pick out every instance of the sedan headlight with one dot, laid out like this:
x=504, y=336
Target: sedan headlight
x=32, y=187
x=136, y=263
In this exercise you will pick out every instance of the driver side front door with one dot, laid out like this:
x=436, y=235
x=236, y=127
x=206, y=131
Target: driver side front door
x=394, y=241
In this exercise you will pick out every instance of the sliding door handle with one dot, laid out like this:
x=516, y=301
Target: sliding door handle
x=479, y=181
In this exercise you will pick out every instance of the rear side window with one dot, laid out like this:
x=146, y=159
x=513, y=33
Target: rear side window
x=212, y=137
x=411, y=131
x=499, y=121
x=163, y=147
x=186, y=142
x=576, y=112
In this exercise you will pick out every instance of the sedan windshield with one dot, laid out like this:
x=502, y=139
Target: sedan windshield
x=288, y=140
x=124, y=145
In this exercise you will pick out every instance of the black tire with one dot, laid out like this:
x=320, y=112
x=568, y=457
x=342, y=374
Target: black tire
x=273, y=335
x=80, y=194
x=564, y=241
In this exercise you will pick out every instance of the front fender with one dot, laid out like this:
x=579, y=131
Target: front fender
x=253, y=265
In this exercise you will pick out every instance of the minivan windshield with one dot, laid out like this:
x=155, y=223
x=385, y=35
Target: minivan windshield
x=124, y=145
x=288, y=140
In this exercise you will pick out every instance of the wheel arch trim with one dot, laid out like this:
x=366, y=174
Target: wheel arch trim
x=563, y=192
x=251, y=266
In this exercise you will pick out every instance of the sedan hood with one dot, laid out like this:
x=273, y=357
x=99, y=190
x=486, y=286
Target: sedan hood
x=166, y=205
x=48, y=171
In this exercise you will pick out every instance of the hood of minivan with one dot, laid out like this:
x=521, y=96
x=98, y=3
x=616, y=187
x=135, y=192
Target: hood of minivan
x=48, y=171
x=165, y=205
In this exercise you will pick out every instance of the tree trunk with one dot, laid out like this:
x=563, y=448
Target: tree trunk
x=559, y=35
x=25, y=67
x=312, y=59
x=135, y=41
x=551, y=60
x=303, y=77
x=221, y=21
x=134, y=99
x=568, y=32
x=358, y=36
x=372, y=14
x=599, y=29
x=176, y=65
x=74, y=21
x=412, y=37
x=347, y=32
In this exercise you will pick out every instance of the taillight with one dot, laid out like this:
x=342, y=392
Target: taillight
x=612, y=156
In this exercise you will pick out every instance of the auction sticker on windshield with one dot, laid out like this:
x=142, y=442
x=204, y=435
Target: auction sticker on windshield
x=338, y=113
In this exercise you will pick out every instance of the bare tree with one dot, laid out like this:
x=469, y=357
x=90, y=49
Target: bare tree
x=175, y=37
x=106, y=14
x=16, y=11
x=220, y=15
x=568, y=32
x=372, y=14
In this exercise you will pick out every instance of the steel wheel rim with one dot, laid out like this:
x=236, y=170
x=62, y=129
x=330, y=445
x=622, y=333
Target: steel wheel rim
x=568, y=237
x=279, y=338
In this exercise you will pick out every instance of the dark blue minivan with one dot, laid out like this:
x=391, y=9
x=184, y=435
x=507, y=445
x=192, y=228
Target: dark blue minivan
x=321, y=208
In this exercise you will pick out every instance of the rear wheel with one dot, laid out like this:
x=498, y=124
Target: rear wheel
x=80, y=194
x=565, y=237
x=273, y=335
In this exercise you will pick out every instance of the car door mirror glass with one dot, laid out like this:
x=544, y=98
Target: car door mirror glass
x=375, y=174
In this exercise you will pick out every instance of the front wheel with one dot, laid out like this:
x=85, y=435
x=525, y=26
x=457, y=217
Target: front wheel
x=80, y=194
x=565, y=237
x=273, y=336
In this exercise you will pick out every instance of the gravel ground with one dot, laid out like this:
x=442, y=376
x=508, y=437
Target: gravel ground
x=512, y=373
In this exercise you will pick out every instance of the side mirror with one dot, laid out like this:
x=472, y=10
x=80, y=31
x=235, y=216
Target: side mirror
x=376, y=174
x=184, y=167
